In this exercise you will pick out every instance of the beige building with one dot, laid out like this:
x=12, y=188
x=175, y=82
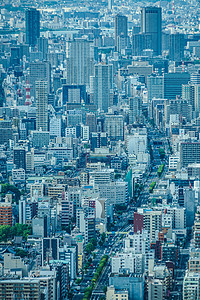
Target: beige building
x=55, y=191
x=113, y=294
x=156, y=290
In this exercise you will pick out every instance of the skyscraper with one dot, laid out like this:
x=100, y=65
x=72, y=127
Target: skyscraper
x=32, y=26
x=39, y=71
x=101, y=86
x=121, y=27
x=176, y=46
x=41, y=92
x=151, y=23
x=80, y=61
x=19, y=158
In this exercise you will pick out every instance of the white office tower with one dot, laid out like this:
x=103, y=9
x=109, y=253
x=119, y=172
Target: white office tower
x=139, y=243
x=137, y=143
x=133, y=262
x=110, y=4
x=101, y=86
x=55, y=127
x=191, y=286
x=41, y=93
x=80, y=61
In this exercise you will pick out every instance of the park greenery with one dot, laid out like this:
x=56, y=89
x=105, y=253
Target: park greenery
x=152, y=186
x=8, y=233
x=9, y=188
x=91, y=246
x=89, y=289
x=160, y=170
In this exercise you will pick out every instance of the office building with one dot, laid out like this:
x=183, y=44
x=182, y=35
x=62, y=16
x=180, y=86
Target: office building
x=32, y=26
x=41, y=93
x=114, y=126
x=6, y=213
x=40, y=71
x=133, y=283
x=191, y=92
x=91, y=122
x=80, y=61
x=195, y=77
x=151, y=23
x=98, y=140
x=40, y=138
x=6, y=131
x=191, y=286
x=121, y=27
x=135, y=109
x=190, y=207
x=55, y=127
x=42, y=46
x=189, y=153
x=173, y=84
x=156, y=289
x=116, y=294
x=101, y=86
x=20, y=288
x=155, y=87
x=151, y=222
x=178, y=107
x=50, y=249
x=74, y=93
x=176, y=46
x=140, y=42
x=133, y=262
x=19, y=158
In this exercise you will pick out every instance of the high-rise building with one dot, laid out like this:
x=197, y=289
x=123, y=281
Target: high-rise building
x=114, y=126
x=135, y=109
x=121, y=27
x=157, y=290
x=151, y=23
x=32, y=26
x=155, y=87
x=50, y=249
x=41, y=91
x=42, y=46
x=176, y=46
x=189, y=153
x=178, y=107
x=80, y=61
x=140, y=42
x=195, y=77
x=91, y=122
x=6, y=213
x=39, y=71
x=191, y=92
x=173, y=84
x=191, y=286
x=101, y=86
x=19, y=158
x=98, y=140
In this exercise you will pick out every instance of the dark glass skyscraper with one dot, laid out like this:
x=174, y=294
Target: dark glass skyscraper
x=32, y=26
x=151, y=23
x=121, y=26
x=176, y=46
